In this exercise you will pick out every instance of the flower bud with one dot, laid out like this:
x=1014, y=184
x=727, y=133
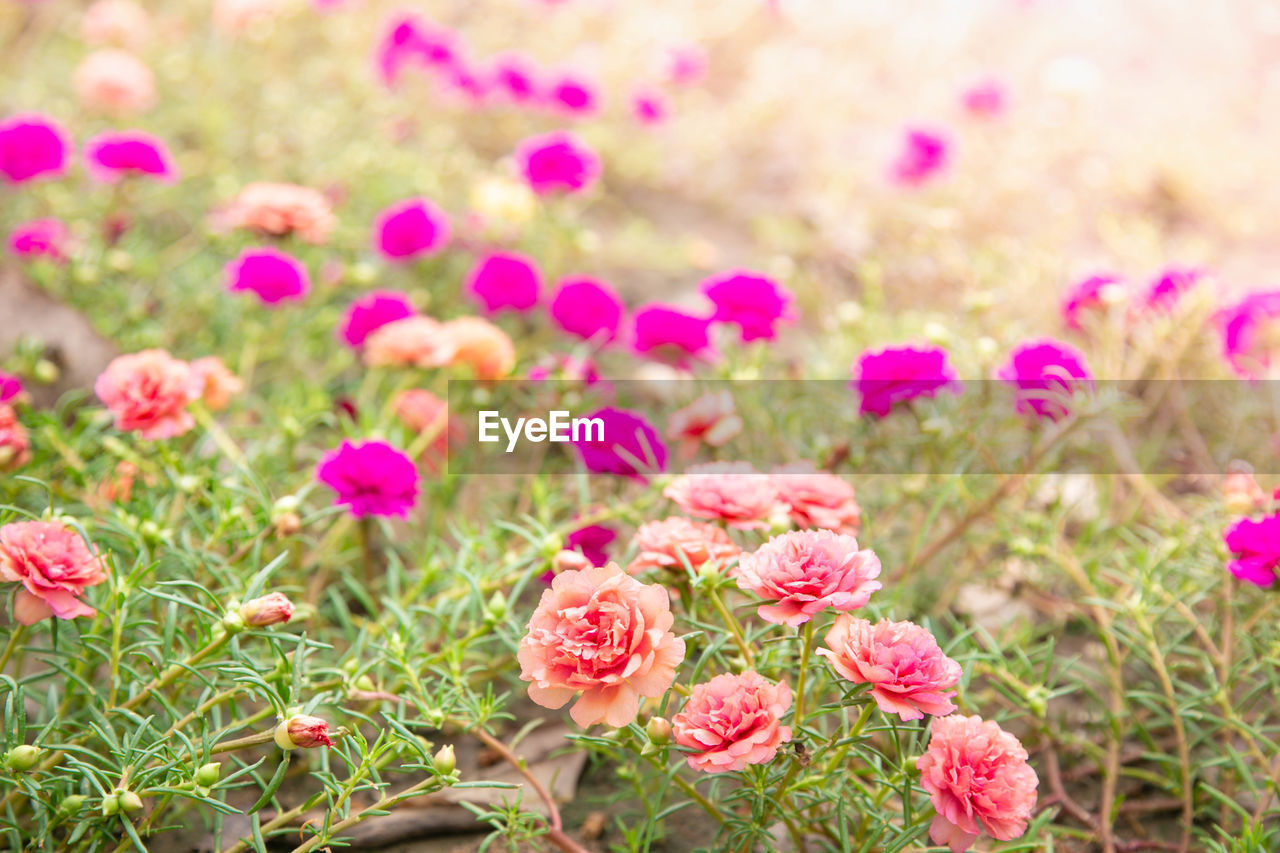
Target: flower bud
x=659, y=730
x=565, y=561
x=287, y=524
x=71, y=805
x=496, y=609
x=130, y=802
x=302, y=731
x=444, y=760
x=207, y=775
x=24, y=757
x=271, y=609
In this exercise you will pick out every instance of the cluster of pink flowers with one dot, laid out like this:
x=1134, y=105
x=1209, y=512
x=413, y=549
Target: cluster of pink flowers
x=1096, y=295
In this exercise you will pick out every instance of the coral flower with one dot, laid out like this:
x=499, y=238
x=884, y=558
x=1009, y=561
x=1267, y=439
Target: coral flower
x=909, y=675
x=1091, y=295
x=118, y=22
x=114, y=155
x=712, y=419
x=807, y=571
x=47, y=238
x=1045, y=374
x=54, y=566
x=412, y=342
x=886, y=377
x=588, y=309
x=1248, y=331
x=148, y=392
x=979, y=780
x=371, y=478
x=505, y=280
x=732, y=492
x=1255, y=549
x=270, y=274
x=1169, y=287
x=482, y=346
x=412, y=228
x=371, y=312
x=115, y=81
x=557, y=162
x=816, y=499
x=680, y=544
x=32, y=146
x=426, y=414
x=603, y=634
x=219, y=383
x=754, y=303
x=923, y=156
x=629, y=446
x=282, y=209
x=668, y=334
x=732, y=721
x=15, y=445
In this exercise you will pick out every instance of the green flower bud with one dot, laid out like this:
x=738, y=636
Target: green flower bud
x=207, y=775
x=45, y=372
x=129, y=801
x=496, y=609
x=71, y=805
x=24, y=757
x=659, y=730
x=444, y=760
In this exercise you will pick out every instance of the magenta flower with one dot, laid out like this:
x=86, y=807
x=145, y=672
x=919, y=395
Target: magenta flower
x=408, y=40
x=371, y=312
x=1168, y=288
x=32, y=146
x=505, y=280
x=649, y=106
x=411, y=228
x=1255, y=549
x=10, y=386
x=272, y=275
x=557, y=162
x=588, y=309
x=1045, y=373
x=668, y=334
x=1241, y=325
x=573, y=95
x=986, y=98
x=883, y=378
x=924, y=155
x=515, y=77
x=750, y=301
x=117, y=154
x=592, y=541
x=371, y=478
x=684, y=65
x=47, y=238
x=630, y=446
x=1091, y=294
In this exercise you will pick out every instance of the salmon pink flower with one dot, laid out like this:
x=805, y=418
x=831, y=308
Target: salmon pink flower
x=732, y=492
x=505, y=280
x=482, y=346
x=371, y=312
x=600, y=633
x=732, y=721
x=270, y=274
x=588, y=309
x=281, y=209
x=923, y=156
x=1094, y=294
x=1045, y=373
x=816, y=499
x=32, y=146
x=415, y=341
x=271, y=609
x=219, y=383
x=41, y=238
x=118, y=22
x=807, y=571
x=557, y=162
x=712, y=419
x=979, y=780
x=53, y=566
x=371, y=478
x=118, y=154
x=15, y=445
x=412, y=228
x=679, y=544
x=886, y=377
x=909, y=675
x=630, y=446
x=115, y=81
x=668, y=334
x=1255, y=549
x=423, y=412
x=754, y=303
x=148, y=392
x=1169, y=287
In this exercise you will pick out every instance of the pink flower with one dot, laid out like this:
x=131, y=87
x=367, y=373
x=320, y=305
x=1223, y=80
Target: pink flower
x=1093, y=294
x=415, y=341
x=505, y=280
x=411, y=228
x=605, y=635
x=892, y=375
x=148, y=392
x=732, y=721
x=986, y=98
x=566, y=367
x=754, y=303
x=302, y=731
x=482, y=346
x=371, y=478
x=909, y=675
x=649, y=106
x=816, y=499
x=409, y=40
x=54, y=567
x=588, y=309
x=424, y=413
x=684, y=65
x=32, y=146
x=573, y=95
x=272, y=609
x=924, y=155
x=627, y=445
x=281, y=209
x=732, y=492
x=120, y=22
x=1255, y=549
x=712, y=419
x=807, y=571
x=1168, y=288
x=1045, y=373
x=679, y=544
x=115, y=81
x=557, y=162
x=515, y=76
x=270, y=274
x=48, y=238
x=668, y=334
x=219, y=384
x=15, y=445
x=371, y=312
x=117, y=154
x=10, y=387
x=1247, y=329
x=979, y=780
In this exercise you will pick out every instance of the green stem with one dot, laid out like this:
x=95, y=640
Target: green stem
x=171, y=674
x=805, y=653
x=12, y=646
x=734, y=628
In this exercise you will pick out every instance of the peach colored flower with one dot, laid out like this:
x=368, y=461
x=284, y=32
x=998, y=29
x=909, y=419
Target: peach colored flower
x=816, y=499
x=978, y=777
x=219, y=383
x=115, y=81
x=732, y=721
x=676, y=542
x=606, y=635
x=732, y=492
x=149, y=391
x=53, y=565
x=807, y=571
x=412, y=342
x=235, y=17
x=280, y=209
x=423, y=412
x=119, y=487
x=712, y=419
x=118, y=22
x=909, y=675
x=15, y=446
x=1241, y=493
x=482, y=346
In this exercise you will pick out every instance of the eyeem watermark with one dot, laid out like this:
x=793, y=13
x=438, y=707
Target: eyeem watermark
x=558, y=426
